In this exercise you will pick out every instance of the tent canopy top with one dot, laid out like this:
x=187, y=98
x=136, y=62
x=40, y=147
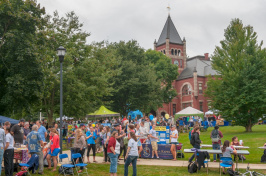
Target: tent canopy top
x=3, y=119
x=189, y=111
x=103, y=112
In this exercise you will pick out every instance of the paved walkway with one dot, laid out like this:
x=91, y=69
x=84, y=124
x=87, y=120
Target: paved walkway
x=178, y=163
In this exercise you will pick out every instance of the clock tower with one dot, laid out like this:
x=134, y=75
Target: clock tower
x=170, y=44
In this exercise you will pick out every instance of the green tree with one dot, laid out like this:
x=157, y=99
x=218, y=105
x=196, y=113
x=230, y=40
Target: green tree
x=239, y=92
x=85, y=68
x=140, y=82
x=20, y=70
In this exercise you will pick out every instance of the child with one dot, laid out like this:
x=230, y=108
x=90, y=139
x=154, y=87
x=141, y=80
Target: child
x=226, y=150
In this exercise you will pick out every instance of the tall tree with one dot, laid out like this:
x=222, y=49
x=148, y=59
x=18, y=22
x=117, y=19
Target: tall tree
x=85, y=68
x=140, y=83
x=239, y=92
x=20, y=70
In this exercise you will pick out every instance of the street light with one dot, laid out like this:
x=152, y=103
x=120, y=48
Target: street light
x=61, y=51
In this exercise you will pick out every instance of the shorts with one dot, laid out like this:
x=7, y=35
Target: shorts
x=176, y=143
x=228, y=162
x=154, y=145
x=55, y=152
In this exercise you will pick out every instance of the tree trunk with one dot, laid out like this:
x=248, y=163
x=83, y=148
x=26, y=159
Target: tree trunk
x=249, y=127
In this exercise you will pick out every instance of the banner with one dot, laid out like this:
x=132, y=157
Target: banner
x=163, y=133
x=164, y=151
x=106, y=124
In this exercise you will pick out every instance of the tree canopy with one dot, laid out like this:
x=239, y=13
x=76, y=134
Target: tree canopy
x=239, y=91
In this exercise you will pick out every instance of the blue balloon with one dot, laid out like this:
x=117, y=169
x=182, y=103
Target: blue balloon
x=151, y=117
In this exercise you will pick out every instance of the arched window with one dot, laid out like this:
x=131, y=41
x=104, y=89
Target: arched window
x=175, y=52
x=186, y=90
x=179, y=53
x=172, y=51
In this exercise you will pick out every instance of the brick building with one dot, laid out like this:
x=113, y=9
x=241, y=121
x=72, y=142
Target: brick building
x=192, y=80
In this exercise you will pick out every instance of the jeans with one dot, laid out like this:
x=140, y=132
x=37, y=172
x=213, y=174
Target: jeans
x=197, y=147
x=40, y=154
x=133, y=160
x=113, y=166
x=8, y=162
x=215, y=147
x=1, y=157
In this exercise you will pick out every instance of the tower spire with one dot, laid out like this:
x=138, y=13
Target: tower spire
x=169, y=9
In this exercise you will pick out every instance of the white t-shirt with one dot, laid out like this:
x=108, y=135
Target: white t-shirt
x=117, y=147
x=10, y=139
x=133, y=147
x=173, y=133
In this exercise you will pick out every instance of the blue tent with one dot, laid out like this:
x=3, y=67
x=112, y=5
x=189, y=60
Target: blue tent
x=4, y=119
x=134, y=114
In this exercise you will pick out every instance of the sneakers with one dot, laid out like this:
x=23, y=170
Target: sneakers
x=157, y=157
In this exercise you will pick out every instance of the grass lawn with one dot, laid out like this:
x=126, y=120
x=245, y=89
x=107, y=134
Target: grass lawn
x=103, y=169
x=254, y=139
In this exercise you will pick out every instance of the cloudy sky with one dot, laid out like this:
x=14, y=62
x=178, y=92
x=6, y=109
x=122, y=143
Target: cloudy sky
x=201, y=22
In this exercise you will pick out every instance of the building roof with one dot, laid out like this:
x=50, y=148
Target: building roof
x=169, y=32
x=203, y=68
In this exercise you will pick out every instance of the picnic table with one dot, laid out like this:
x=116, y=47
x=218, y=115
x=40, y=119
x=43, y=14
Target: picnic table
x=21, y=154
x=264, y=147
x=236, y=147
x=240, y=152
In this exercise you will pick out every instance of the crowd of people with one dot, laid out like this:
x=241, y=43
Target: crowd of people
x=112, y=136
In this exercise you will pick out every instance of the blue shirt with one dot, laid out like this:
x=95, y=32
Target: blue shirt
x=33, y=141
x=2, y=138
x=91, y=139
x=153, y=133
x=181, y=123
x=42, y=131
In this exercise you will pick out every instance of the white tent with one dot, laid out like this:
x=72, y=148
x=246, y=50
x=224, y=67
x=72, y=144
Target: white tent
x=209, y=113
x=64, y=118
x=189, y=111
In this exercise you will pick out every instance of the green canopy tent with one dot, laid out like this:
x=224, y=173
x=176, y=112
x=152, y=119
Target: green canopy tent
x=189, y=111
x=103, y=112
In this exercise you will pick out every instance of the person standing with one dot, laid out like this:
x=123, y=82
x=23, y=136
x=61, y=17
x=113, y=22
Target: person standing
x=106, y=138
x=41, y=130
x=54, y=149
x=18, y=132
x=154, y=139
x=2, y=146
x=173, y=138
x=9, y=153
x=195, y=140
x=91, y=137
x=143, y=132
x=26, y=131
x=80, y=146
x=111, y=154
x=7, y=124
x=216, y=136
x=138, y=138
x=34, y=144
x=132, y=154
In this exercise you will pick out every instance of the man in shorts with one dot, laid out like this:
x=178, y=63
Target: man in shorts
x=154, y=139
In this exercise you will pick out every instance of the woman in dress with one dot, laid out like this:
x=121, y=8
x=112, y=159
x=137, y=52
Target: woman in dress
x=54, y=149
x=80, y=146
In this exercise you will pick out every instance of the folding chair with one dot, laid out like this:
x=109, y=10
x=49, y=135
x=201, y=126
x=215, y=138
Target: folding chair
x=74, y=158
x=179, y=149
x=33, y=161
x=65, y=166
x=224, y=165
x=205, y=162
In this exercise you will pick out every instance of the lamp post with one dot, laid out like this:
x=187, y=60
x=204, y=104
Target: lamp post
x=61, y=51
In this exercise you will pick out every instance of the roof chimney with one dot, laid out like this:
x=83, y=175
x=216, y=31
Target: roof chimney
x=206, y=56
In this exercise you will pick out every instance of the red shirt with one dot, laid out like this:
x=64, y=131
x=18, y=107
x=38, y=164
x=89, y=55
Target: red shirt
x=55, y=142
x=111, y=143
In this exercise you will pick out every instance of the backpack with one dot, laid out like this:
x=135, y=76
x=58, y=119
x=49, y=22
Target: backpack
x=192, y=167
x=192, y=140
x=215, y=136
x=66, y=170
x=232, y=173
x=22, y=173
x=263, y=157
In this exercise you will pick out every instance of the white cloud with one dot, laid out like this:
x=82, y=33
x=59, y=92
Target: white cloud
x=201, y=22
